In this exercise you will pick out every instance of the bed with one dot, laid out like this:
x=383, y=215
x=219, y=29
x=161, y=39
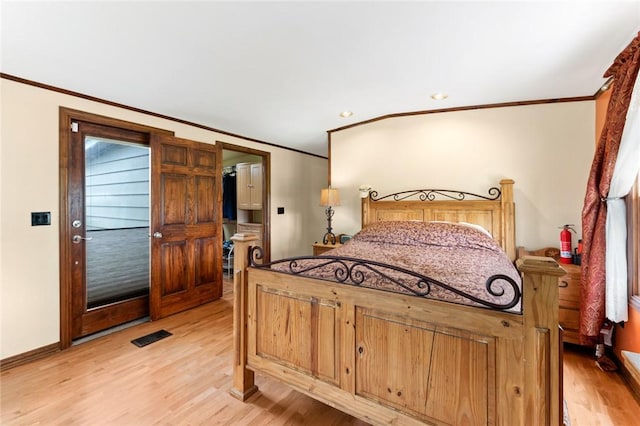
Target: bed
x=402, y=356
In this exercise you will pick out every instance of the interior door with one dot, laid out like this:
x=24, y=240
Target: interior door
x=186, y=224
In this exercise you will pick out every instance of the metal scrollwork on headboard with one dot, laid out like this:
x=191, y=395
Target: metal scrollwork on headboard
x=354, y=271
x=433, y=194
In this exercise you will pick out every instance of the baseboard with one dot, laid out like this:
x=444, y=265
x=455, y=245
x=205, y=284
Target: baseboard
x=631, y=377
x=27, y=357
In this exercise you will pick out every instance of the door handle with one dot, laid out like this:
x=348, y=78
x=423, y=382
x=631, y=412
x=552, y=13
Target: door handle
x=157, y=234
x=77, y=238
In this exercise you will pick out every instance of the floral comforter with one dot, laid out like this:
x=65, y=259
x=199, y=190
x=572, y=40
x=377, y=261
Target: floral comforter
x=457, y=255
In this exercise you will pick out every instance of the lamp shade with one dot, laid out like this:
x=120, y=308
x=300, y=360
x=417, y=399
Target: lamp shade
x=329, y=197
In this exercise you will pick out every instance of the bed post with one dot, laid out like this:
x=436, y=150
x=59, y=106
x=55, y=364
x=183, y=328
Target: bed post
x=508, y=210
x=541, y=343
x=365, y=211
x=243, y=378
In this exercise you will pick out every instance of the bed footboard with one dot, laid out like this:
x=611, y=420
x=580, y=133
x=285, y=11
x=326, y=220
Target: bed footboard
x=396, y=359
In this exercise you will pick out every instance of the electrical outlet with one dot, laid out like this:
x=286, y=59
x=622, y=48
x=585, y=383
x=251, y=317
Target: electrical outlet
x=280, y=210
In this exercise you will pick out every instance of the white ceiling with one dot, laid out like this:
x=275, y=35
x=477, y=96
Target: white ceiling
x=281, y=72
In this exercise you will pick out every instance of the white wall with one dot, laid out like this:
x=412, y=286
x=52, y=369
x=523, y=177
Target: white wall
x=547, y=149
x=29, y=256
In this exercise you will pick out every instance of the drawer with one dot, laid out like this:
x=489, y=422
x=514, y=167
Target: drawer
x=569, y=319
x=569, y=291
x=569, y=287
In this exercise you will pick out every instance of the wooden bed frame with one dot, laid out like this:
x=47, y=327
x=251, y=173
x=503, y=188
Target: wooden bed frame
x=390, y=358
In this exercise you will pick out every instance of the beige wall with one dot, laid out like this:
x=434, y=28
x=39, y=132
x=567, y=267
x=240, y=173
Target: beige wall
x=29, y=256
x=547, y=149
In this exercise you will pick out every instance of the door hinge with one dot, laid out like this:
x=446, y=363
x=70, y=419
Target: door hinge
x=74, y=127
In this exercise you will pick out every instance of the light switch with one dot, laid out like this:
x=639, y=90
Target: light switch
x=40, y=218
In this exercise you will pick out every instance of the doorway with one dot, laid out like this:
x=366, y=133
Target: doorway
x=139, y=215
x=246, y=212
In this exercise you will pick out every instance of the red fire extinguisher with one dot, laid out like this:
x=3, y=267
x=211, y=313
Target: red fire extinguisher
x=565, y=244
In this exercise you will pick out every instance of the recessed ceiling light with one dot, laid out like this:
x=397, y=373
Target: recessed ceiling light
x=346, y=114
x=439, y=96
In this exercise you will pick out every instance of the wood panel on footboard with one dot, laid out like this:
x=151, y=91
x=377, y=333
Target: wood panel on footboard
x=390, y=358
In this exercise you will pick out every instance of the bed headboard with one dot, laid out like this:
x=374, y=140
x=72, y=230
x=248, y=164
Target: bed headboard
x=495, y=212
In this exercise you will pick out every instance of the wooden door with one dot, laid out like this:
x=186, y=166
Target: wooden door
x=106, y=262
x=186, y=225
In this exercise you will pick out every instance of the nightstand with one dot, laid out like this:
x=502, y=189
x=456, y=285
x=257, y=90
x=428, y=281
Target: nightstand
x=319, y=248
x=568, y=294
x=569, y=303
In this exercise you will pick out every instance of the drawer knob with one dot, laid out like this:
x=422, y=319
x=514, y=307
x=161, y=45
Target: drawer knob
x=563, y=284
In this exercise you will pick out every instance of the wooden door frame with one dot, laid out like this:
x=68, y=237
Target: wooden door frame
x=266, y=192
x=66, y=116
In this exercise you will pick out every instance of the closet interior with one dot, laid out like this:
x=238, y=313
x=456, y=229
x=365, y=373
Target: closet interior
x=242, y=180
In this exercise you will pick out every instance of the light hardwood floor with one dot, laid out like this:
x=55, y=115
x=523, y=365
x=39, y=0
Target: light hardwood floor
x=595, y=397
x=184, y=379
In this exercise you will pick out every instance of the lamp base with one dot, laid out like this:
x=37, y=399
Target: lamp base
x=329, y=238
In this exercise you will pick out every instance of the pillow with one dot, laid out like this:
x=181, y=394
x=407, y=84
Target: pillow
x=427, y=234
x=478, y=227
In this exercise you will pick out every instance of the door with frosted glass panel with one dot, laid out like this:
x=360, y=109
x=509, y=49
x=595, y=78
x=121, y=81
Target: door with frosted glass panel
x=110, y=222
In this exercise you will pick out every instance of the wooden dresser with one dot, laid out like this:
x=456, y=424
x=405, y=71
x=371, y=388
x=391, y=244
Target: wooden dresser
x=568, y=294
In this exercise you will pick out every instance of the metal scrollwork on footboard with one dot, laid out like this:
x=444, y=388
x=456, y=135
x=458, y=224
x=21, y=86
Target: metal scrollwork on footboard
x=354, y=271
x=433, y=194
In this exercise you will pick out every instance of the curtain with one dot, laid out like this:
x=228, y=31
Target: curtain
x=624, y=71
x=624, y=175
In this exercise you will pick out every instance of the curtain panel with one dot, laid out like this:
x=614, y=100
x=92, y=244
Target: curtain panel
x=624, y=71
x=624, y=175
